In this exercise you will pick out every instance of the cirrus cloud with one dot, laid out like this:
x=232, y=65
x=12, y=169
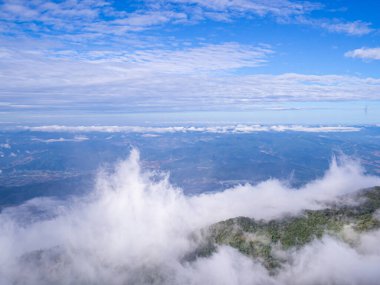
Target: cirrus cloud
x=206, y=76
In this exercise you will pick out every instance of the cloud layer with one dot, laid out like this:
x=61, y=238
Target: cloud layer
x=201, y=77
x=183, y=129
x=89, y=19
x=137, y=57
x=135, y=229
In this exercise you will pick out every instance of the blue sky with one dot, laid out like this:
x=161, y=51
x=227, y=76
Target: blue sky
x=71, y=60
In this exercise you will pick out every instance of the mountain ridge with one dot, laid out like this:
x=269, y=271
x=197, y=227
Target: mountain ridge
x=269, y=242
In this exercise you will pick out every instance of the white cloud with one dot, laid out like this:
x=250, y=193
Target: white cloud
x=75, y=139
x=285, y=11
x=259, y=7
x=100, y=19
x=92, y=18
x=54, y=69
x=364, y=53
x=332, y=262
x=211, y=57
x=357, y=28
x=66, y=15
x=50, y=68
x=183, y=129
x=136, y=230
x=5, y=145
x=206, y=75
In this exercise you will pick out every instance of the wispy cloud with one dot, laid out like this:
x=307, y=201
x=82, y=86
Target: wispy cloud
x=364, y=53
x=211, y=57
x=208, y=75
x=230, y=8
x=284, y=11
x=84, y=20
x=184, y=129
x=204, y=76
x=45, y=64
x=355, y=28
x=74, y=139
x=94, y=19
x=54, y=71
x=295, y=12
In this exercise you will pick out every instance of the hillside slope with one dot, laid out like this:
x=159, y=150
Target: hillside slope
x=269, y=241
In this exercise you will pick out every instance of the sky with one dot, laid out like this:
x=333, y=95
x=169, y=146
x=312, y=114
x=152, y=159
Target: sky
x=272, y=61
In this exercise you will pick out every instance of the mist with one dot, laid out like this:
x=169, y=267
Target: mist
x=135, y=228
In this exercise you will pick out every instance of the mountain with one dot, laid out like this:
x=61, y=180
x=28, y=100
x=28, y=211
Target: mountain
x=270, y=242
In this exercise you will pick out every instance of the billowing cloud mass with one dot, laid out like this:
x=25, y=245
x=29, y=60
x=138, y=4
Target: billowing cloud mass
x=364, y=53
x=136, y=229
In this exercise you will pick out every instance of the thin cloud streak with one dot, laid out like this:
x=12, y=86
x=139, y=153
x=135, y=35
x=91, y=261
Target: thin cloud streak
x=355, y=28
x=182, y=129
